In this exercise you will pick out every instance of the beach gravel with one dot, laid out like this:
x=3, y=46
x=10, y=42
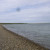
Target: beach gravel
x=11, y=41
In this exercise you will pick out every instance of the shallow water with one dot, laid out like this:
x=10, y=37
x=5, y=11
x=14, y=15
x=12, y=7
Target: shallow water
x=39, y=33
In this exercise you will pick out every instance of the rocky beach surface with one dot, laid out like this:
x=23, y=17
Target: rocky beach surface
x=11, y=41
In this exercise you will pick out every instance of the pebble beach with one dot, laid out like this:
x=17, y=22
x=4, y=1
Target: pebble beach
x=11, y=41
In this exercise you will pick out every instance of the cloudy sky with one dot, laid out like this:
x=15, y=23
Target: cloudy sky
x=31, y=11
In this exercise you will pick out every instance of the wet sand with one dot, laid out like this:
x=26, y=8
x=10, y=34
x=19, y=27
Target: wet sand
x=12, y=41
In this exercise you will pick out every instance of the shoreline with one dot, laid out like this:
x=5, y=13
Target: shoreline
x=30, y=45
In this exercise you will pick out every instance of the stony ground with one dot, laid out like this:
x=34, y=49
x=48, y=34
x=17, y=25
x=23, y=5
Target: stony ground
x=10, y=41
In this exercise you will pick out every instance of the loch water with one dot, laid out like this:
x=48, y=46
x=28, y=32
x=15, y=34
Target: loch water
x=39, y=33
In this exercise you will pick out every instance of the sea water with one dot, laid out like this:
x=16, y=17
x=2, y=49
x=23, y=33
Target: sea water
x=39, y=33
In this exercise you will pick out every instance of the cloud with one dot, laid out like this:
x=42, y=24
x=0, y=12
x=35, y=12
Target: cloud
x=31, y=11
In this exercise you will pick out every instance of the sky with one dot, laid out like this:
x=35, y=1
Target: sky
x=31, y=11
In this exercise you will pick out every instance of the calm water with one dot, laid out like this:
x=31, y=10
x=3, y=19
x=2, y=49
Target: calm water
x=39, y=33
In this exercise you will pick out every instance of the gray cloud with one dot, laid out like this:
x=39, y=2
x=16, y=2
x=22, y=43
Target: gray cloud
x=39, y=13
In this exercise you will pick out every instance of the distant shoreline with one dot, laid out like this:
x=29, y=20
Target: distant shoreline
x=24, y=23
